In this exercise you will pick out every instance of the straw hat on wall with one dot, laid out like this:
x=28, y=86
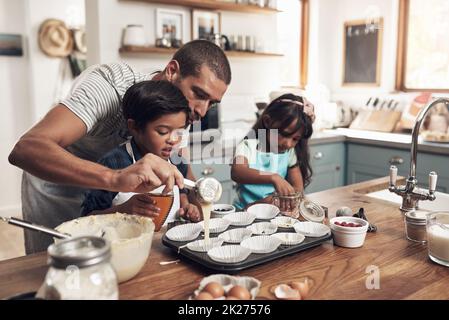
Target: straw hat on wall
x=55, y=39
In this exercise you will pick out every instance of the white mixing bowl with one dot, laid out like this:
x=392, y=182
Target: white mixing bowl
x=130, y=237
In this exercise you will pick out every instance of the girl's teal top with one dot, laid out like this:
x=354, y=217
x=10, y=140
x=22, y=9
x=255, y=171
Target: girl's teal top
x=268, y=162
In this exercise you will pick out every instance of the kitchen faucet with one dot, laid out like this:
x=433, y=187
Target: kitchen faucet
x=410, y=193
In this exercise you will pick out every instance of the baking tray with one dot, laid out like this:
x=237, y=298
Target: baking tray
x=253, y=259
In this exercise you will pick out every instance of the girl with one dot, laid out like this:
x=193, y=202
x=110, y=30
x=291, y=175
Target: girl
x=277, y=159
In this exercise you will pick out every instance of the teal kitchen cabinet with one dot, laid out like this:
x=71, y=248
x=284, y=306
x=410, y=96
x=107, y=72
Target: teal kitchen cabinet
x=366, y=162
x=221, y=172
x=328, y=165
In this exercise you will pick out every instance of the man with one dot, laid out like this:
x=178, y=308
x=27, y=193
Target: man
x=58, y=154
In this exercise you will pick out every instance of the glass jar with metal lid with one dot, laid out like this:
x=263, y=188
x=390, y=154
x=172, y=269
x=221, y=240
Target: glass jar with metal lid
x=80, y=269
x=415, y=225
x=299, y=207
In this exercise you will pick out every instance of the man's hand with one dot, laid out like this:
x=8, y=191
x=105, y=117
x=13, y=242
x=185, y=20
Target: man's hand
x=147, y=174
x=140, y=204
x=190, y=212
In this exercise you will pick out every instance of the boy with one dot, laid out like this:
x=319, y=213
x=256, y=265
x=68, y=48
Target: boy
x=157, y=114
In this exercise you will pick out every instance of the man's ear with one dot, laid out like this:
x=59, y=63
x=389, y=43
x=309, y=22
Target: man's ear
x=172, y=71
x=132, y=127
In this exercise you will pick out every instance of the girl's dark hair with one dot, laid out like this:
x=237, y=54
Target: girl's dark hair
x=282, y=112
x=147, y=101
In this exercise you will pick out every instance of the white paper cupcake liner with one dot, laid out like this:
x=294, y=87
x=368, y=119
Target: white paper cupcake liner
x=240, y=218
x=312, y=229
x=202, y=246
x=284, y=222
x=261, y=244
x=263, y=228
x=229, y=254
x=289, y=238
x=184, y=232
x=227, y=281
x=264, y=211
x=216, y=225
x=235, y=235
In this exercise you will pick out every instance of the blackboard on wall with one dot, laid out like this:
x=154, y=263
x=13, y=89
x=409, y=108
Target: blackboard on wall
x=362, y=52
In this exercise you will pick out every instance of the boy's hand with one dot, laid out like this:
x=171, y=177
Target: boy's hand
x=140, y=204
x=190, y=212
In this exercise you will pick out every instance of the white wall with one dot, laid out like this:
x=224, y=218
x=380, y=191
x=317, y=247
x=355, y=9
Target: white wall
x=27, y=84
x=14, y=99
x=48, y=82
x=252, y=77
x=326, y=47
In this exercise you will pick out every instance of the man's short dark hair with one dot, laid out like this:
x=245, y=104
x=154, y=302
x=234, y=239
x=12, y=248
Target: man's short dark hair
x=195, y=53
x=147, y=101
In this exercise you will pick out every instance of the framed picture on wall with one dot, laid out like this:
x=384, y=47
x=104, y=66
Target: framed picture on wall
x=11, y=44
x=170, y=25
x=362, y=45
x=205, y=24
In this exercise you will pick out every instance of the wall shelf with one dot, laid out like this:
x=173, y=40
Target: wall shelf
x=156, y=50
x=215, y=5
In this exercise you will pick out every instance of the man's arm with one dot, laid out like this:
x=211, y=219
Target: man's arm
x=41, y=152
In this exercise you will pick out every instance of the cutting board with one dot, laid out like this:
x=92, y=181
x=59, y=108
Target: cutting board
x=376, y=120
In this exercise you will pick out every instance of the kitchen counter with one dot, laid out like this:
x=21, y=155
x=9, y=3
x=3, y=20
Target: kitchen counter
x=404, y=268
x=224, y=145
x=385, y=139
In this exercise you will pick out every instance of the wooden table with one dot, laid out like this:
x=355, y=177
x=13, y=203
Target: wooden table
x=405, y=270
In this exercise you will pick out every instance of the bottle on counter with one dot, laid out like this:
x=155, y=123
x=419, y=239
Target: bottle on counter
x=80, y=269
x=415, y=225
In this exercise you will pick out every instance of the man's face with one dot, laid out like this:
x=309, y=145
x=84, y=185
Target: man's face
x=202, y=91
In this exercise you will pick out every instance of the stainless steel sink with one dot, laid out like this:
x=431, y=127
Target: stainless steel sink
x=441, y=203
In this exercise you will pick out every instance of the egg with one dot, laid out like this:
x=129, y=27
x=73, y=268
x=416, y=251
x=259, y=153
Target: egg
x=302, y=287
x=214, y=289
x=204, y=296
x=239, y=292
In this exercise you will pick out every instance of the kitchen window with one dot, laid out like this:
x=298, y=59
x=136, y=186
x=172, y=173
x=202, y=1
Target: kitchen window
x=293, y=38
x=423, y=59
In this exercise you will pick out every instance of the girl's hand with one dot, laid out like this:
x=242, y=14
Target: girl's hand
x=190, y=212
x=283, y=188
x=140, y=204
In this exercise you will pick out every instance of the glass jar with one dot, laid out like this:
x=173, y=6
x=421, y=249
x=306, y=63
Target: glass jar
x=80, y=269
x=415, y=225
x=288, y=204
x=438, y=237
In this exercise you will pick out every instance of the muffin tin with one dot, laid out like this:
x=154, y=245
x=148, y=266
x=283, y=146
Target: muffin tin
x=253, y=259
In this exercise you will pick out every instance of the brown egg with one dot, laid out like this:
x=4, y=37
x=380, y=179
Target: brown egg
x=239, y=292
x=302, y=287
x=214, y=289
x=204, y=296
x=231, y=298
